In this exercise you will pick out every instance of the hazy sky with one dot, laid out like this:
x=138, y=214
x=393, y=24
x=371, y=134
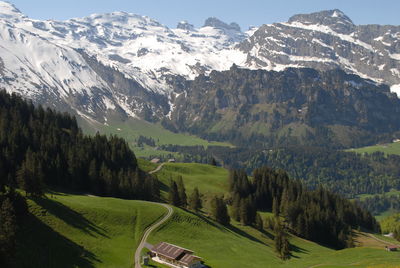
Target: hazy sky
x=244, y=12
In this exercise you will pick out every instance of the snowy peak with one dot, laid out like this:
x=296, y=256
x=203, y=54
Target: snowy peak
x=184, y=25
x=216, y=23
x=327, y=40
x=119, y=19
x=335, y=19
x=9, y=11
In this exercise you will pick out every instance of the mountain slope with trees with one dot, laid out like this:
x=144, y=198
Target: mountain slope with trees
x=295, y=106
x=42, y=148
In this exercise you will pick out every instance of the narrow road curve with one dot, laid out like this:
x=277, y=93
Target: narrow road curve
x=157, y=169
x=148, y=232
x=382, y=241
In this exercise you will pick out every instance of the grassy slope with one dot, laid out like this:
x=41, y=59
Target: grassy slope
x=241, y=246
x=390, y=148
x=84, y=231
x=133, y=128
x=209, y=179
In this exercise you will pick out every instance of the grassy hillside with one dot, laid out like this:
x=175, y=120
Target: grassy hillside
x=132, y=128
x=84, y=231
x=389, y=148
x=209, y=179
x=241, y=246
x=89, y=231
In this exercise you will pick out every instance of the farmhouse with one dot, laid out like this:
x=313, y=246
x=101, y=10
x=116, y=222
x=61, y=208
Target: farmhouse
x=155, y=160
x=175, y=256
x=391, y=248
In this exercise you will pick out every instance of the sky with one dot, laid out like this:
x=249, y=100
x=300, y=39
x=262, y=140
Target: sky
x=245, y=12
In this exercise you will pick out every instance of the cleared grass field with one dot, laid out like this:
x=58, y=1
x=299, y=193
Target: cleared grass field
x=131, y=129
x=84, y=231
x=389, y=148
x=244, y=247
x=209, y=179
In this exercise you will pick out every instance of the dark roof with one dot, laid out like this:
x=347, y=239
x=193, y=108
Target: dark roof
x=188, y=259
x=169, y=250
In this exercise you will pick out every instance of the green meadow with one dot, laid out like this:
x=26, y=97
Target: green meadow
x=84, y=231
x=131, y=129
x=69, y=230
x=389, y=148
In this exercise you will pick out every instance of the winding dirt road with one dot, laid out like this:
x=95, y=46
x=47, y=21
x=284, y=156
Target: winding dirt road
x=157, y=169
x=148, y=232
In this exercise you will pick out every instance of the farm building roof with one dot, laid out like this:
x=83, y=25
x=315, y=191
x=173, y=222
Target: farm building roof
x=182, y=255
x=169, y=250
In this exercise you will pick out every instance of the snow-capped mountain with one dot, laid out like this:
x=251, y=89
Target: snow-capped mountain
x=327, y=40
x=65, y=61
x=130, y=64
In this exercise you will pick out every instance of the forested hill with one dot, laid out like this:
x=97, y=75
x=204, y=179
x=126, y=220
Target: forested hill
x=43, y=148
x=296, y=106
x=318, y=215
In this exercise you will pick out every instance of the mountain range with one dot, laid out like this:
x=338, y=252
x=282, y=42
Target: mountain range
x=133, y=66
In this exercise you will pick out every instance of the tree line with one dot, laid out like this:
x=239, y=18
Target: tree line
x=177, y=196
x=317, y=215
x=347, y=173
x=380, y=203
x=41, y=148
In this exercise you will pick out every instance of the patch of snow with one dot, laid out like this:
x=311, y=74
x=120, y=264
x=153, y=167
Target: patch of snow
x=108, y=103
x=395, y=89
x=327, y=30
x=395, y=72
x=314, y=40
x=395, y=56
x=307, y=58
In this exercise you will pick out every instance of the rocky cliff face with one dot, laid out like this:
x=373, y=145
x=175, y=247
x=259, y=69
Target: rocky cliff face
x=327, y=40
x=301, y=105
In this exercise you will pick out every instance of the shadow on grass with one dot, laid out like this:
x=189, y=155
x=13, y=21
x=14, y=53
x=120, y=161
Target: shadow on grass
x=230, y=228
x=296, y=249
x=163, y=186
x=70, y=216
x=267, y=234
x=204, y=218
x=236, y=230
x=40, y=246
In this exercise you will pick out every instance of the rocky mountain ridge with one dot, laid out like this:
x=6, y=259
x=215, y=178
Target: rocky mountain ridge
x=295, y=106
x=134, y=66
x=327, y=40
